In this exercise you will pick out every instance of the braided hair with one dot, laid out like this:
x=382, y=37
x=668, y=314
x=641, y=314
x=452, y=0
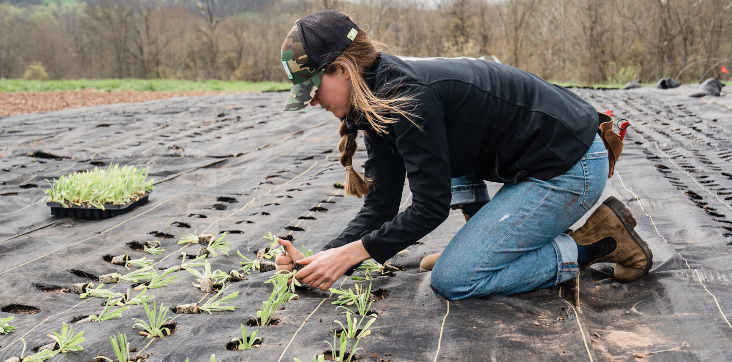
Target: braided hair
x=362, y=53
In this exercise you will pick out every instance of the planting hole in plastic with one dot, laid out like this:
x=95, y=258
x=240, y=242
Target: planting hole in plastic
x=252, y=322
x=329, y=356
x=136, y=246
x=234, y=345
x=50, y=288
x=161, y=235
x=78, y=318
x=380, y=294
x=83, y=274
x=19, y=309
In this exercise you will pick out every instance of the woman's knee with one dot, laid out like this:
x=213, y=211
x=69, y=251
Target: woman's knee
x=447, y=281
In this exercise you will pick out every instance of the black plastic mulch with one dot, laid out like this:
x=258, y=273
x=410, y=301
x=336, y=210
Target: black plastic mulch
x=257, y=169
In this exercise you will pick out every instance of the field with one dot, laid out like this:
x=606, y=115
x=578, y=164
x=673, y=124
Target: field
x=139, y=85
x=237, y=164
x=27, y=96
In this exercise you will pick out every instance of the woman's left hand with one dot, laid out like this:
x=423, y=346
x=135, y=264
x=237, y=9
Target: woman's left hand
x=325, y=267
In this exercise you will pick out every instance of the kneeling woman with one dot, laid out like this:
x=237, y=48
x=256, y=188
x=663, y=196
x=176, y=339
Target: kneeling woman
x=448, y=125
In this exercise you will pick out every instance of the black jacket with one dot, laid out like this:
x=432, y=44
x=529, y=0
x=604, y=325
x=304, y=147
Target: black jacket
x=501, y=122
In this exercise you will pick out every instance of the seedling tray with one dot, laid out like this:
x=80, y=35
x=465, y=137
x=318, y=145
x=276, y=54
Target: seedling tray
x=91, y=212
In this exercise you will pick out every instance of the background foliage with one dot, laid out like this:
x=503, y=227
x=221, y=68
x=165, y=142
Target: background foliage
x=580, y=41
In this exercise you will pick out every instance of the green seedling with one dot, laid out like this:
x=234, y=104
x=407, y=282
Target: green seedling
x=248, y=265
x=290, y=277
x=274, y=247
x=137, y=275
x=155, y=250
x=219, y=245
x=339, y=348
x=217, y=276
x=99, y=292
x=188, y=239
x=67, y=340
x=217, y=305
x=247, y=343
x=159, y=281
x=306, y=253
x=98, y=187
x=370, y=266
x=281, y=293
x=316, y=358
x=5, y=327
x=140, y=263
x=38, y=357
x=165, y=231
x=121, y=348
x=156, y=320
x=139, y=299
x=361, y=299
x=107, y=312
x=199, y=261
x=352, y=330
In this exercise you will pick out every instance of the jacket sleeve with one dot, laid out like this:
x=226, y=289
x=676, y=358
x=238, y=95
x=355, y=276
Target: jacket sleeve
x=381, y=204
x=427, y=161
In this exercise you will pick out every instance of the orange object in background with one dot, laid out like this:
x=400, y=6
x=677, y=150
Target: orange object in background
x=623, y=129
x=724, y=70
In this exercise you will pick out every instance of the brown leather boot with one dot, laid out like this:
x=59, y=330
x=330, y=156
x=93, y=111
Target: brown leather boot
x=428, y=262
x=608, y=237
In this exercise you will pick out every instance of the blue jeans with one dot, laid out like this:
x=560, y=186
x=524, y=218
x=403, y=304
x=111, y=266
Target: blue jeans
x=515, y=243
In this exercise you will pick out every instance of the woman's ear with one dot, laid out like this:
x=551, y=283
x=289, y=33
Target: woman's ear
x=346, y=74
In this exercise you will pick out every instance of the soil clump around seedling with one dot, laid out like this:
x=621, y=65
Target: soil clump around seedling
x=255, y=322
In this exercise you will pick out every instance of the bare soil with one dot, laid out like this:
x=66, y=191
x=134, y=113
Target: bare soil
x=24, y=103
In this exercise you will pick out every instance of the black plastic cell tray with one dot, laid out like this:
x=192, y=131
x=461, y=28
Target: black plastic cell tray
x=84, y=212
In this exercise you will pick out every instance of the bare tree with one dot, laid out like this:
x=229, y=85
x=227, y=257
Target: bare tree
x=210, y=38
x=515, y=15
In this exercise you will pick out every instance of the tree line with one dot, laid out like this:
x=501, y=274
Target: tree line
x=580, y=41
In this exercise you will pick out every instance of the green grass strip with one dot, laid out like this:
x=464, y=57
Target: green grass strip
x=159, y=85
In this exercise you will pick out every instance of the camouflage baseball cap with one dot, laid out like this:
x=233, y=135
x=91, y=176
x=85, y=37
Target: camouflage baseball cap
x=312, y=44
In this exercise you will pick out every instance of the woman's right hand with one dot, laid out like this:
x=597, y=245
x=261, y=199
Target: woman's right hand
x=286, y=261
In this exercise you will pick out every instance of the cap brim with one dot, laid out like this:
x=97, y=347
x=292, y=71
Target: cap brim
x=302, y=93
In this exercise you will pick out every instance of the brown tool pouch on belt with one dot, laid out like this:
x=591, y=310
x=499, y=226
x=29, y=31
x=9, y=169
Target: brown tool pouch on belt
x=613, y=144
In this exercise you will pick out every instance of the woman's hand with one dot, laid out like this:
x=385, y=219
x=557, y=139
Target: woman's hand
x=286, y=261
x=325, y=267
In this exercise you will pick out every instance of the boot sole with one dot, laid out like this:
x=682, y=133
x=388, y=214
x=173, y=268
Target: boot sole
x=628, y=221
